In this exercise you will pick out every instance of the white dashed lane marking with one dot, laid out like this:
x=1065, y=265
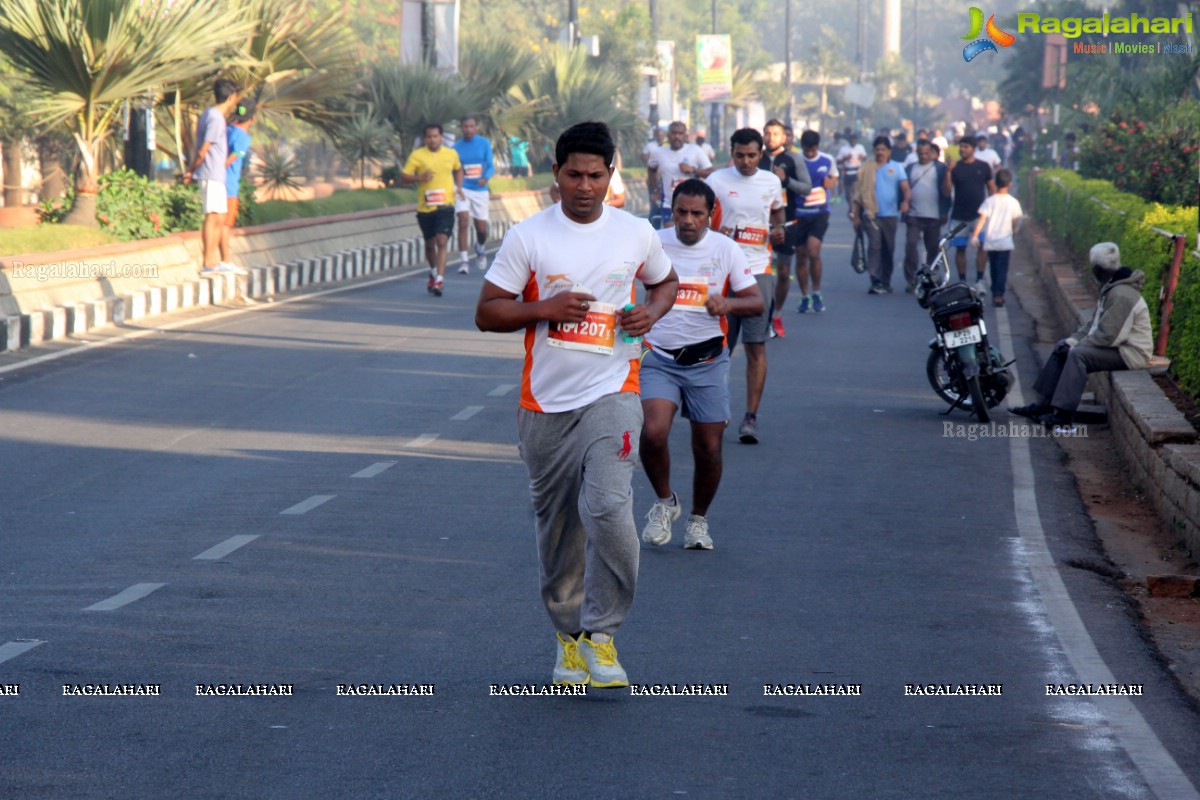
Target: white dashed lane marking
x=132, y=594
x=226, y=547
x=502, y=390
x=374, y=469
x=309, y=504
x=467, y=413
x=13, y=649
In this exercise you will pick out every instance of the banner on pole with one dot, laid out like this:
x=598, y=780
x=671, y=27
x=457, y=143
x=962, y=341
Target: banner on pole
x=714, y=64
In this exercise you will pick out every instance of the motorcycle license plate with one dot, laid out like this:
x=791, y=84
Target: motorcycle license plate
x=962, y=337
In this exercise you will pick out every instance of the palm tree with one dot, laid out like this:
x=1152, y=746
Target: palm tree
x=577, y=92
x=87, y=57
x=363, y=137
x=294, y=66
x=411, y=97
x=495, y=67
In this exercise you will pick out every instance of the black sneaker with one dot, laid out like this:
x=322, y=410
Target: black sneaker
x=1031, y=410
x=1057, y=418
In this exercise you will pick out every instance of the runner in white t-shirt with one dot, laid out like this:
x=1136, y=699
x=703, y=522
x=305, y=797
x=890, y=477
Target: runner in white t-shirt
x=672, y=164
x=750, y=210
x=986, y=154
x=565, y=276
x=850, y=158
x=687, y=367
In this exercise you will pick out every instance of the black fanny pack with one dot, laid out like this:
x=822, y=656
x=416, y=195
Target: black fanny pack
x=696, y=353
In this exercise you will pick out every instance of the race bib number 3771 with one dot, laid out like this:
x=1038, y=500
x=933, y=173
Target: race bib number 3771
x=595, y=334
x=692, y=294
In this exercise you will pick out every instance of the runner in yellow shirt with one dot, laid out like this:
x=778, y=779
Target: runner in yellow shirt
x=438, y=174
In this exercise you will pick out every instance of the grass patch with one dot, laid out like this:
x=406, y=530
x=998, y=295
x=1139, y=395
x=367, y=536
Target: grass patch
x=49, y=238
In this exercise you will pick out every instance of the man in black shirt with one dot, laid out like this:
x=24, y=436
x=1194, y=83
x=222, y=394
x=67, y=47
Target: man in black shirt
x=971, y=181
x=794, y=178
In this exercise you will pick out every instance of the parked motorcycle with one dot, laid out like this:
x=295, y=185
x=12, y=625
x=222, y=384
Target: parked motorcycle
x=962, y=367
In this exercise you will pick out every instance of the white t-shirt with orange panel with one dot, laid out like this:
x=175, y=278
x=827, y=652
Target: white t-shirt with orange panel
x=568, y=366
x=707, y=268
x=667, y=162
x=744, y=204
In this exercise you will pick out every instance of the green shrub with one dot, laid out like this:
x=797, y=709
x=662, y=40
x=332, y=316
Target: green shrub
x=1155, y=160
x=130, y=206
x=183, y=211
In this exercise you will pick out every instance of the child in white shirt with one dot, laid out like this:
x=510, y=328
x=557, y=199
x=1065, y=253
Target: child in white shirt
x=998, y=218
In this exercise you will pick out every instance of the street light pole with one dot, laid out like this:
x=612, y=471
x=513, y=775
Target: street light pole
x=714, y=135
x=916, y=66
x=654, y=78
x=787, y=58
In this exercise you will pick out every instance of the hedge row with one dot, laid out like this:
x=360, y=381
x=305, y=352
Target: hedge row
x=1082, y=212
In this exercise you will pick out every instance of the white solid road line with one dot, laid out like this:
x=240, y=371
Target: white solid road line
x=1157, y=766
x=226, y=547
x=423, y=439
x=374, y=469
x=502, y=390
x=135, y=592
x=70, y=351
x=467, y=413
x=309, y=504
x=13, y=649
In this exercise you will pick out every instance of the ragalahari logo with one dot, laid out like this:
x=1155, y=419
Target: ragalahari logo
x=995, y=35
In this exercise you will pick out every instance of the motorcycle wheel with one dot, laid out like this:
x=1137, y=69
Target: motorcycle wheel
x=945, y=380
x=978, y=404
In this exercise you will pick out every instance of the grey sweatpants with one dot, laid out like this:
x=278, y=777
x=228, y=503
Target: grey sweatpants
x=1063, y=378
x=581, y=466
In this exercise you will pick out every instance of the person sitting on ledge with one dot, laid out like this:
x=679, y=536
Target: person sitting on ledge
x=1118, y=337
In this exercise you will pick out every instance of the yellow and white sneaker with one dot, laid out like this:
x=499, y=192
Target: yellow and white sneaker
x=570, y=669
x=604, y=671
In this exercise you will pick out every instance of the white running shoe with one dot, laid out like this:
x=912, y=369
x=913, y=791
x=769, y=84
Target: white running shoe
x=658, y=522
x=696, y=537
x=464, y=268
x=604, y=671
x=225, y=266
x=981, y=287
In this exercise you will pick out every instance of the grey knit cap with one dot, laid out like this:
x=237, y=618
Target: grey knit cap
x=1106, y=256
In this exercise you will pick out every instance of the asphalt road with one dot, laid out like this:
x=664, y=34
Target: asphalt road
x=327, y=491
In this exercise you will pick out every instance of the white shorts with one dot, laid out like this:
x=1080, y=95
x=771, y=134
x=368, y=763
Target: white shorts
x=476, y=202
x=212, y=197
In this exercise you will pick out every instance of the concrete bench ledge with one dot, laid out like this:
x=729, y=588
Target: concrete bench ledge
x=1156, y=442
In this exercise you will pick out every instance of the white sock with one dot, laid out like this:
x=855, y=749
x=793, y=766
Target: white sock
x=669, y=501
x=462, y=254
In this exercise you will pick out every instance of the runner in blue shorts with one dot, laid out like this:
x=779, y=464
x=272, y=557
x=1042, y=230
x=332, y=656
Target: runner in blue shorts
x=687, y=366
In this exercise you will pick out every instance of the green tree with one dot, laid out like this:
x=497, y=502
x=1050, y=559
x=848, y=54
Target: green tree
x=362, y=138
x=411, y=97
x=576, y=91
x=496, y=66
x=16, y=126
x=85, y=58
